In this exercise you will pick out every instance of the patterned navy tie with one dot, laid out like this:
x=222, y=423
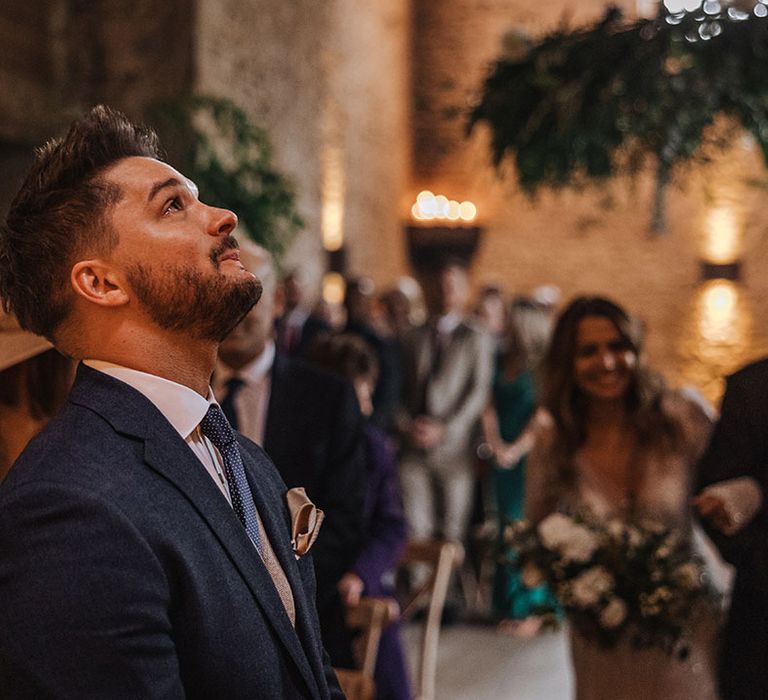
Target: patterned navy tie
x=216, y=428
x=228, y=402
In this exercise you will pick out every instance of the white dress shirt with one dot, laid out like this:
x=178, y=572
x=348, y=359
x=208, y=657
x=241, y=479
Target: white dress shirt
x=252, y=400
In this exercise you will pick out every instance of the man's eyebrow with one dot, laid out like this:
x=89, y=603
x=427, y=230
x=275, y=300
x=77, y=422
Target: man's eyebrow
x=170, y=182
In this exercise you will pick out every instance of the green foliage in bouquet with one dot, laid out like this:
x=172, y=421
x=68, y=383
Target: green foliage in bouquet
x=230, y=159
x=616, y=581
x=601, y=101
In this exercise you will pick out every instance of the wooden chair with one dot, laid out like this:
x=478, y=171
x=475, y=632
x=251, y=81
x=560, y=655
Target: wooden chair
x=442, y=558
x=355, y=685
x=370, y=616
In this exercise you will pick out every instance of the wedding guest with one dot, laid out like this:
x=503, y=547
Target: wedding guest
x=397, y=312
x=732, y=481
x=385, y=530
x=447, y=374
x=403, y=307
x=491, y=311
x=34, y=381
x=508, y=430
x=297, y=326
x=358, y=302
x=309, y=423
x=621, y=446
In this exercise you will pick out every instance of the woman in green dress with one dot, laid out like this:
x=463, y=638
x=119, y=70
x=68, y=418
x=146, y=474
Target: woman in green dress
x=508, y=423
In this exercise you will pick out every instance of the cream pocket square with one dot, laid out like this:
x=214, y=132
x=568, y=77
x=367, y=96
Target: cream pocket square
x=305, y=520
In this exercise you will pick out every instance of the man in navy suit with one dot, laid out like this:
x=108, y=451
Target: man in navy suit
x=146, y=548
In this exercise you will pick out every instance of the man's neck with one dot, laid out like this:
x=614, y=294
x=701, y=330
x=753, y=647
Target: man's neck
x=168, y=355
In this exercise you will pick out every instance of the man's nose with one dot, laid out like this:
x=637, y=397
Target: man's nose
x=223, y=222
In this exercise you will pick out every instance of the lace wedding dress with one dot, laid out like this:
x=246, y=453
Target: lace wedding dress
x=662, y=495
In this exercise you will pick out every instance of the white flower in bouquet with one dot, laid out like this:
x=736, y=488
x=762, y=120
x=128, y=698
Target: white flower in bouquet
x=615, y=528
x=531, y=575
x=591, y=585
x=574, y=542
x=634, y=536
x=688, y=575
x=614, y=613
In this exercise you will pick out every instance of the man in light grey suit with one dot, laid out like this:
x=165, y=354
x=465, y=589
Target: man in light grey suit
x=447, y=375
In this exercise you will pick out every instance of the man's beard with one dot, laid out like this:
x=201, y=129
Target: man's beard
x=184, y=299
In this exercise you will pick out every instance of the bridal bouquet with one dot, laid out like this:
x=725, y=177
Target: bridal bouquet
x=615, y=580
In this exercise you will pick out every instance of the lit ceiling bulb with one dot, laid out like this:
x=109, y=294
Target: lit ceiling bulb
x=429, y=206
x=467, y=211
x=424, y=196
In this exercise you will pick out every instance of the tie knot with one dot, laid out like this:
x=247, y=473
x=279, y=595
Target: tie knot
x=216, y=427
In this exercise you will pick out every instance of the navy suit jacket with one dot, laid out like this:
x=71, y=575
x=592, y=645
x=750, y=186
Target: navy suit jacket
x=739, y=447
x=124, y=573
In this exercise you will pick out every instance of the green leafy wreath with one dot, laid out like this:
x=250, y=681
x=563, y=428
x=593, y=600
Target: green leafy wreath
x=598, y=102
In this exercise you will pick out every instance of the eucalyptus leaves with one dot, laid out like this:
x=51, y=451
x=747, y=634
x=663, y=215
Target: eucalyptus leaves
x=605, y=100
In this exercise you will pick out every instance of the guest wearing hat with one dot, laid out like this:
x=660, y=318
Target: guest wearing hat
x=34, y=380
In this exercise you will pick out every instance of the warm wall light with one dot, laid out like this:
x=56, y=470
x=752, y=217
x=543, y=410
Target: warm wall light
x=333, y=288
x=332, y=212
x=719, y=301
x=431, y=207
x=722, y=236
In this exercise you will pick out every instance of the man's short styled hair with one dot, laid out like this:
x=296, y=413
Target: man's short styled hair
x=60, y=213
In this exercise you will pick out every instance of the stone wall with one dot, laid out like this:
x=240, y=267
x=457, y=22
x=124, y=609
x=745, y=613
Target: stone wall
x=328, y=80
x=60, y=57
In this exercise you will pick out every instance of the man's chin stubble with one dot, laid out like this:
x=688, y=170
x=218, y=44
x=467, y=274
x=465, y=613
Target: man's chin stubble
x=184, y=300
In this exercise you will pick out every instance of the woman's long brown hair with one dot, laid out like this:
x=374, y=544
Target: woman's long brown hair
x=568, y=405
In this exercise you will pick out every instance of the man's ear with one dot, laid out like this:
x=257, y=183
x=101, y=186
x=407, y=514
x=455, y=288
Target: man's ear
x=99, y=283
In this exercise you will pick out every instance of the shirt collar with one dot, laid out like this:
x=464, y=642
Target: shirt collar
x=297, y=316
x=181, y=406
x=448, y=323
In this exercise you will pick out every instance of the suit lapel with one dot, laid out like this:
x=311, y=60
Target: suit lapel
x=167, y=454
x=274, y=516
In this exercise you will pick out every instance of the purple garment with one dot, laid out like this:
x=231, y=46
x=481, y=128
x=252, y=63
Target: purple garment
x=383, y=547
x=385, y=526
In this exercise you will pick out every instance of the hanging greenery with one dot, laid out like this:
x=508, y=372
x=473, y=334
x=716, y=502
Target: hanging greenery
x=230, y=159
x=600, y=101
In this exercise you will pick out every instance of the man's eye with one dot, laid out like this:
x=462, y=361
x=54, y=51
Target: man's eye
x=173, y=205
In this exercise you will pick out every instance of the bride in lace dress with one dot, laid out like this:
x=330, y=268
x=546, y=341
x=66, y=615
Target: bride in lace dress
x=620, y=444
